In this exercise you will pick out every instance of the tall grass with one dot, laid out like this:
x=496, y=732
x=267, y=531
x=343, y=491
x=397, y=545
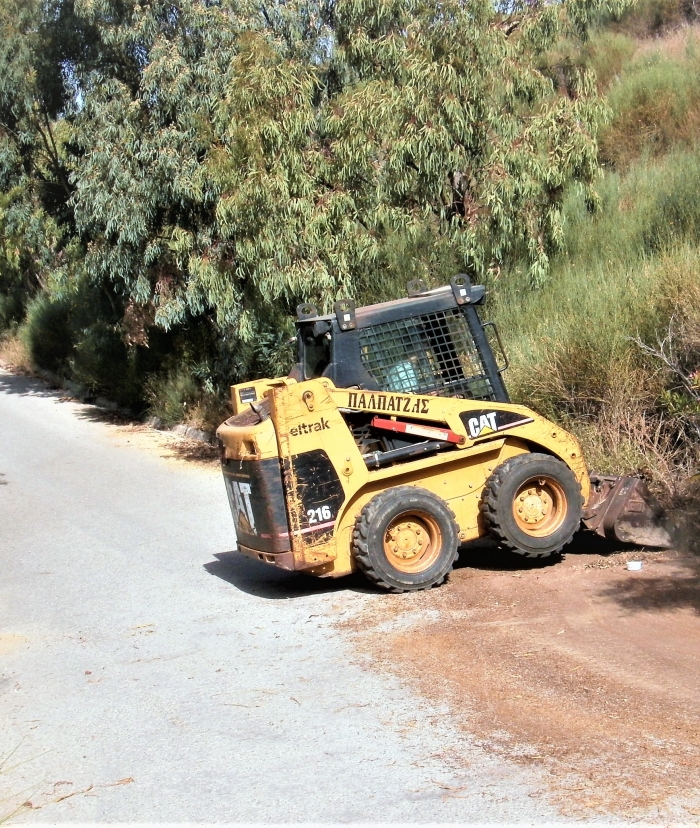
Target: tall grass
x=591, y=349
x=655, y=102
x=653, y=18
x=622, y=276
x=642, y=212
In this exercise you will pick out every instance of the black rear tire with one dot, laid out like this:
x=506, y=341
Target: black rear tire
x=532, y=504
x=406, y=539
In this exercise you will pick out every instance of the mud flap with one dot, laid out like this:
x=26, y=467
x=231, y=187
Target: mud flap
x=623, y=509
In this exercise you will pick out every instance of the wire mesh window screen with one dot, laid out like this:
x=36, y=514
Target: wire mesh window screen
x=424, y=354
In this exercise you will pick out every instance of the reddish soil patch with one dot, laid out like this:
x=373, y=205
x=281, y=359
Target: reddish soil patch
x=578, y=666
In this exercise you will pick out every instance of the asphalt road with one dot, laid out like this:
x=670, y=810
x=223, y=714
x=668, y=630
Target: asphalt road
x=149, y=673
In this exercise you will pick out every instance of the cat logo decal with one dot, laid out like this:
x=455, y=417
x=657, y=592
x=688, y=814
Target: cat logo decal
x=482, y=423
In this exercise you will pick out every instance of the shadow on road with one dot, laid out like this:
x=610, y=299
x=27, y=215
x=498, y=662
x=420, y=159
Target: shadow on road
x=486, y=555
x=94, y=414
x=33, y=386
x=265, y=581
x=25, y=386
x=183, y=449
x=674, y=591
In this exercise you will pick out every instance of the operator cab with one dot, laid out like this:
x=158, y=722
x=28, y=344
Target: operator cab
x=432, y=342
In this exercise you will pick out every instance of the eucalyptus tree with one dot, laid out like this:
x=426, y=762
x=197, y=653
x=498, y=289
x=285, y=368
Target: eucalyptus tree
x=46, y=49
x=230, y=158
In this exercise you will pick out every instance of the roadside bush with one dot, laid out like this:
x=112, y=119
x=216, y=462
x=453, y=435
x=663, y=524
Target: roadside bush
x=80, y=336
x=48, y=334
x=12, y=301
x=102, y=364
x=183, y=395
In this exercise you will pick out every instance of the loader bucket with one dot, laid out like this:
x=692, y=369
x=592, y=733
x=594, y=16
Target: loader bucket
x=623, y=509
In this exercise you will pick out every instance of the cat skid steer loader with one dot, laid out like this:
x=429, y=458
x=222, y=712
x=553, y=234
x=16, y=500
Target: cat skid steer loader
x=393, y=441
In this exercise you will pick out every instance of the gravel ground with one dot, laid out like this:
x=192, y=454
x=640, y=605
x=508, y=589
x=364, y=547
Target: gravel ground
x=148, y=673
x=578, y=667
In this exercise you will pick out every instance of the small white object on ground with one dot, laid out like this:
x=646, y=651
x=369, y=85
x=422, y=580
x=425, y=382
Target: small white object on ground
x=634, y=566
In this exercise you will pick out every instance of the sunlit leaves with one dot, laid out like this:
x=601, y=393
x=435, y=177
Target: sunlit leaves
x=230, y=159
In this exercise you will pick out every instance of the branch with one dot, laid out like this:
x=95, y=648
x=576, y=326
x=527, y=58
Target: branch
x=666, y=354
x=509, y=26
x=52, y=152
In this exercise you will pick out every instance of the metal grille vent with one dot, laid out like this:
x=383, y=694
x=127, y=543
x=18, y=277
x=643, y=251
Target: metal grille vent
x=426, y=354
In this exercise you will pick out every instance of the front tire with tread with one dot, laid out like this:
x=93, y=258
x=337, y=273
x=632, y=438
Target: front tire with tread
x=548, y=493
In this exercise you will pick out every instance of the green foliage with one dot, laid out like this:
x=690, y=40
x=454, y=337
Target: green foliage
x=81, y=334
x=652, y=207
x=604, y=54
x=182, y=396
x=651, y=18
x=12, y=299
x=101, y=363
x=680, y=404
x=569, y=343
x=656, y=105
x=48, y=334
x=594, y=350
x=262, y=160
x=576, y=349
x=175, y=178
x=36, y=47
x=647, y=211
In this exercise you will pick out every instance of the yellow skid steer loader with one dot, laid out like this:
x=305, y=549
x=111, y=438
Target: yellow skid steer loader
x=393, y=441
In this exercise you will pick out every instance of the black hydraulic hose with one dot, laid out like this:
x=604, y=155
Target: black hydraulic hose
x=381, y=458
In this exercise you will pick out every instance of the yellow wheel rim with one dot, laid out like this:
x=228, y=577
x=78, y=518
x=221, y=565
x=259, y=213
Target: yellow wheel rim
x=540, y=506
x=412, y=542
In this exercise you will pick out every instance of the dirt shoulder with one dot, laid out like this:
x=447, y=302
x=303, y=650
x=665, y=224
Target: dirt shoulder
x=577, y=666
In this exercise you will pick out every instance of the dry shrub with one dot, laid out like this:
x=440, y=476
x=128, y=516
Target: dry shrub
x=181, y=396
x=613, y=406
x=582, y=355
x=656, y=106
x=607, y=54
x=611, y=403
x=576, y=378
x=675, y=354
x=14, y=354
x=654, y=18
x=678, y=277
x=673, y=45
x=208, y=413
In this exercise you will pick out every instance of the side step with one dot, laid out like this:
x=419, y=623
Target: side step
x=623, y=509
